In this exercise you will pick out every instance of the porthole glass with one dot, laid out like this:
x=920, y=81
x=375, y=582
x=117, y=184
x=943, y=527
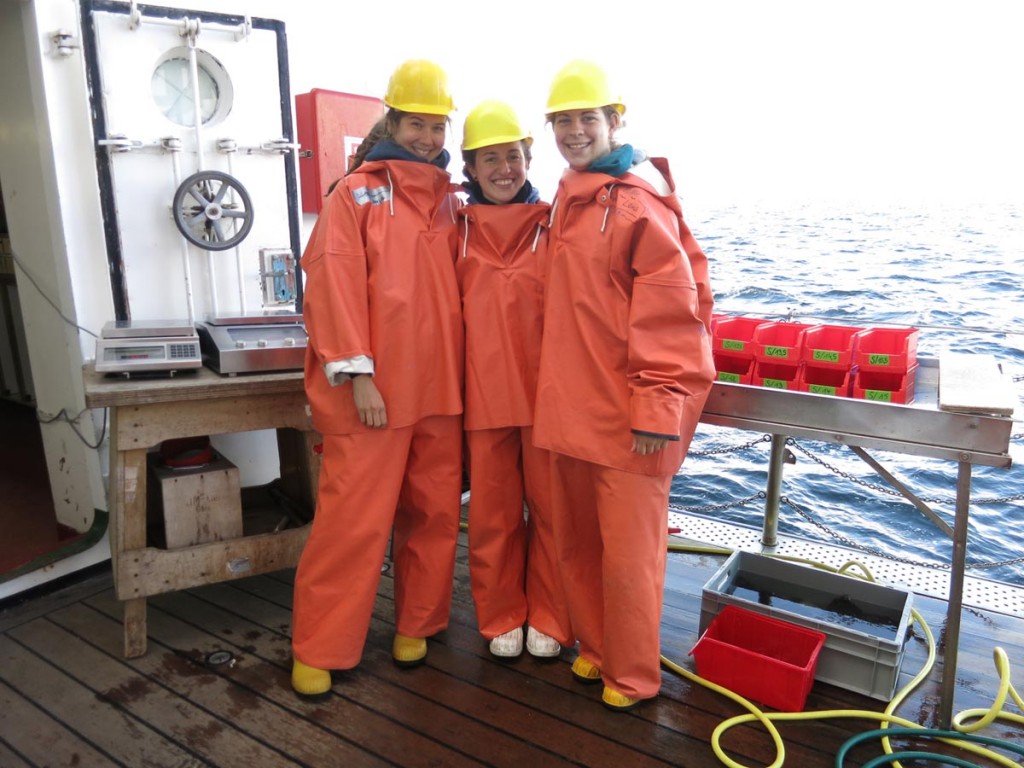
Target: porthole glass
x=172, y=88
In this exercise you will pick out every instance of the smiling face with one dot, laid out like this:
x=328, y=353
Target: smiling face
x=421, y=134
x=501, y=170
x=584, y=135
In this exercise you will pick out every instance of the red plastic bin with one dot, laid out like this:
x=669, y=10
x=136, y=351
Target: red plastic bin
x=886, y=386
x=775, y=375
x=734, y=336
x=825, y=381
x=778, y=342
x=887, y=349
x=759, y=657
x=830, y=346
x=735, y=370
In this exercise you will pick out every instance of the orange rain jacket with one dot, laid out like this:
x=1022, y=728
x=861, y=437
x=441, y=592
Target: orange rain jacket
x=501, y=278
x=380, y=282
x=627, y=316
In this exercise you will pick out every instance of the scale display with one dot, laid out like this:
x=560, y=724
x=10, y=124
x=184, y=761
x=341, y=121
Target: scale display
x=156, y=346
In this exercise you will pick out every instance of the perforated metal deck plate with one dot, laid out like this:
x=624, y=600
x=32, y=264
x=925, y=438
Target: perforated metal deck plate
x=985, y=594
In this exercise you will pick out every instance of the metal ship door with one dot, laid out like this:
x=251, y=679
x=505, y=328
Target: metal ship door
x=196, y=159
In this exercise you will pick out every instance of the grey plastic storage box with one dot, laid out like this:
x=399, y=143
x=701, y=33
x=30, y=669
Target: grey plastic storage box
x=865, y=623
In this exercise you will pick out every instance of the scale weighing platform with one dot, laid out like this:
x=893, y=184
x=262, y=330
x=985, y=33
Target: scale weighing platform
x=147, y=347
x=262, y=342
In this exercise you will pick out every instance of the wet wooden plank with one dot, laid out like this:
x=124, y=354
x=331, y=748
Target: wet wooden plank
x=264, y=651
x=140, y=703
x=11, y=760
x=178, y=661
x=111, y=731
x=424, y=700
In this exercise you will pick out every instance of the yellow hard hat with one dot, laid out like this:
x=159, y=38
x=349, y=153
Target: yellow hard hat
x=419, y=85
x=581, y=85
x=492, y=122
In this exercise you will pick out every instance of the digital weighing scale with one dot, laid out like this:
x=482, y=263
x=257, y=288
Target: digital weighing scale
x=263, y=342
x=147, y=346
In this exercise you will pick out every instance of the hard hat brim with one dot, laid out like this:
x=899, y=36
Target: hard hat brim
x=490, y=142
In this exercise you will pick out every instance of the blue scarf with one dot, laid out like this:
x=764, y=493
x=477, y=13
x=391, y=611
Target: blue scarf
x=615, y=163
x=389, y=149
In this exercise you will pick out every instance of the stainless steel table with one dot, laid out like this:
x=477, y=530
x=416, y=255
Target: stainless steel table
x=920, y=429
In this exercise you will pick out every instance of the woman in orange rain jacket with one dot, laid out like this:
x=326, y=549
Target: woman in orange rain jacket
x=625, y=369
x=502, y=245
x=384, y=378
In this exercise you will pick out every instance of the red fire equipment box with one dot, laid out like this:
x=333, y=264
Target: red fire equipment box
x=331, y=125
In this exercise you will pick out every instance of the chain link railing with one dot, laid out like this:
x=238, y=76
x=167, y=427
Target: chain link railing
x=834, y=535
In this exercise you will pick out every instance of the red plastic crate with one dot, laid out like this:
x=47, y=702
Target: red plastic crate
x=759, y=657
x=735, y=370
x=887, y=349
x=885, y=386
x=775, y=375
x=824, y=381
x=778, y=342
x=830, y=346
x=734, y=336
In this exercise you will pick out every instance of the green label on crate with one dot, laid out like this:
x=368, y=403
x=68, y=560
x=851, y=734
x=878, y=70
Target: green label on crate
x=821, y=389
x=878, y=359
x=776, y=383
x=771, y=351
x=736, y=346
x=828, y=355
x=878, y=394
x=730, y=377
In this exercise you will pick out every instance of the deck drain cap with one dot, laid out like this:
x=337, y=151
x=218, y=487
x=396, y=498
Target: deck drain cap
x=216, y=658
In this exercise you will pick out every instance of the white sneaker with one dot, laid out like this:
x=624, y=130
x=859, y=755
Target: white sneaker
x=509, y=644
x=539, y=644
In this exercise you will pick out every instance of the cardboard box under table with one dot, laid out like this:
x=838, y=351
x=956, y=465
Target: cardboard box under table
x=865, y=623
x=193, y=504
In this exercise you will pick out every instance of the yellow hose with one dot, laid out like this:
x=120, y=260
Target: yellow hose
x=887, y=718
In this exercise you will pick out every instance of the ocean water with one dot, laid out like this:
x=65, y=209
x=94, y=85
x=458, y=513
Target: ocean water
x=954, y=272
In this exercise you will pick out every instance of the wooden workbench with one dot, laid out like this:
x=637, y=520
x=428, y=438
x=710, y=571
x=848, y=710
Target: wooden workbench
x=144, y=413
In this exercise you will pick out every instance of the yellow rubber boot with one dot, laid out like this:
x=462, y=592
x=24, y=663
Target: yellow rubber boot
x=310, y=681
x=618, y=702
x=585, y=671
x=409, y=651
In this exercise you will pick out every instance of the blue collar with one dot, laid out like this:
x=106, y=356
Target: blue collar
x=615, y=163
x=389, y=149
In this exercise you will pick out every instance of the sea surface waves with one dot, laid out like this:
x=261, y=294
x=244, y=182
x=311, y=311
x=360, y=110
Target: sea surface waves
x=954, y=272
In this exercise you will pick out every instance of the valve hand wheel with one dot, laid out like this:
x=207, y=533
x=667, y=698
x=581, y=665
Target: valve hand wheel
x=213, y=210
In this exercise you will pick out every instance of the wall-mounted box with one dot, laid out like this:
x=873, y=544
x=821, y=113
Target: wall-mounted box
x=330, y=127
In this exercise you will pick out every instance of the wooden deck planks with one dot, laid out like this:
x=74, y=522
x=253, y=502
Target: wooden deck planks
x=68, y=697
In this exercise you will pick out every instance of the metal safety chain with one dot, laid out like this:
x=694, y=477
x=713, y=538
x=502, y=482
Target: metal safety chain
x=847, y=541
x=890, y=491
x=878, y=553
x=760, y=495
x=732, y=449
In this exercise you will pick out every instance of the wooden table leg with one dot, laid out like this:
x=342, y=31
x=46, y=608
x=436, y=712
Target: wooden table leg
x=127, y=531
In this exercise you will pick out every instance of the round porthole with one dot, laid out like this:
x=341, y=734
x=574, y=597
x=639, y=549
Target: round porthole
x=171, y=86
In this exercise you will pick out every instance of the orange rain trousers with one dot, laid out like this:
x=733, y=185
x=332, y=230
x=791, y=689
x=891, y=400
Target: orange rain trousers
x=409, y=477
x=513, y=570
x=611, y=529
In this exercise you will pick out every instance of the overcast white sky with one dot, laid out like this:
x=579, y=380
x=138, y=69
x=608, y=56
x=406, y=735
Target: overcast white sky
x=875, y=99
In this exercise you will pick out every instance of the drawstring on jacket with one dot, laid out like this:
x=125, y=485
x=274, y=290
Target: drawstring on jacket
x=391, y=186
x=465, y=236
x=604, y=221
